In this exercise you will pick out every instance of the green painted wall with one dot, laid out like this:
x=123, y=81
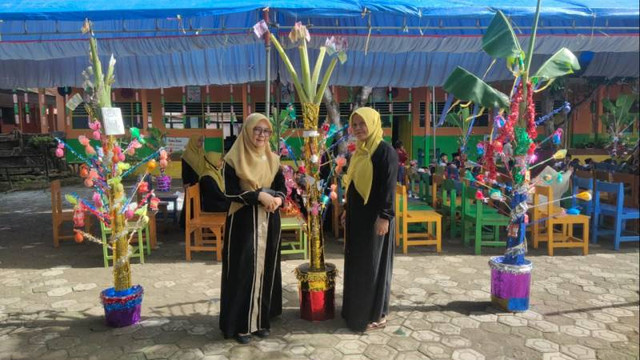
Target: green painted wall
x=213, y=144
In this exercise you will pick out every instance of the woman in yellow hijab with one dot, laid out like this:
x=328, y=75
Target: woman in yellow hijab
x=193, y=157
x=212, y=185
x=251, y=291
x=369, y=224
x=192, y=165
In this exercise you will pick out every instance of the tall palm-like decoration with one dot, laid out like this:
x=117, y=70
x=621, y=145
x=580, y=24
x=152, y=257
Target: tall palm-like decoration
x=511, y=273
x=317, y=276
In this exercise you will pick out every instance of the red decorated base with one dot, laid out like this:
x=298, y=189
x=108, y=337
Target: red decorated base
x=317, y=305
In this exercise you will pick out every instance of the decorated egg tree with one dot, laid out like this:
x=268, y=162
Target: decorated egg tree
x=104, y=168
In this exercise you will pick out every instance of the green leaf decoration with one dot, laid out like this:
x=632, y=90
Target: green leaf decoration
x=624, y=103
x=71, y=199
x=500, y=41
x=563, y=62
x=468, y=87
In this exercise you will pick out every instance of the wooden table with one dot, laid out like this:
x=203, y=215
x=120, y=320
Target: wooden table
x=166, y=198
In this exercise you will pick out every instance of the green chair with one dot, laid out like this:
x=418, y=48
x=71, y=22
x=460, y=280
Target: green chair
x=450, y=206
x=139, y=252
x=424, y=188
x=481, y=223
x=299, y=244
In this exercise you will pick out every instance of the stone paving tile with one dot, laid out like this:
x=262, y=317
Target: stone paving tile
x=582, y=307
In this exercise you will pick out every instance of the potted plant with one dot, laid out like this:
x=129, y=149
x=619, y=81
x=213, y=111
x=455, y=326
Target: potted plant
x=105, y=166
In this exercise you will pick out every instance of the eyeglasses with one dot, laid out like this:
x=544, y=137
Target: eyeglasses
x=262, y=131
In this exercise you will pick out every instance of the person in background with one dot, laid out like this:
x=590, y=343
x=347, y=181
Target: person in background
x=369, y=220
x=212, y=198
x=192, y=166
x=588, y=164
x=251, y=289
x=414, y=178
x=444, y=160
x=563, y=164
x=402, y=159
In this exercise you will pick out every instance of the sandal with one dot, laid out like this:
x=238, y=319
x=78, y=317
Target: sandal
x=377, y=325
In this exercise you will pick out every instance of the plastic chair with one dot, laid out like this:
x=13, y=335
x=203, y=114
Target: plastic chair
x=619, y=213
x=196, y=221
x=299, y=244
x=552, y=215
x=451, y=205
x=424, y=187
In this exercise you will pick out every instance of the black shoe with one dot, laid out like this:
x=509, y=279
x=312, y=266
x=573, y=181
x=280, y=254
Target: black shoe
x=242, y=339
x=263, y=333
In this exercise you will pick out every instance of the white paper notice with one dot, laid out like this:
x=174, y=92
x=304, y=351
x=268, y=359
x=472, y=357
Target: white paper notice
x=176, y=143
x=112, y=117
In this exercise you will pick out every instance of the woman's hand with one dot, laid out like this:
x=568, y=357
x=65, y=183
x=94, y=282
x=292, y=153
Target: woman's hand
x=265, y=199
x=275, y=204
x=343, y=218
x=382, y=226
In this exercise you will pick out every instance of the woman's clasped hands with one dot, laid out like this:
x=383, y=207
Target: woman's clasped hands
x=270, y=203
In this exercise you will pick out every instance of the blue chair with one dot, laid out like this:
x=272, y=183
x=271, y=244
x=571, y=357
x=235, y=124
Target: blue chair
x=579, y=184
x=619, y=213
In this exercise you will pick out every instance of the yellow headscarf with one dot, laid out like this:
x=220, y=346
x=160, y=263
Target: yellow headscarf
x=256, y=167
x=211, y=160
x=194, y=154
x=360, y=167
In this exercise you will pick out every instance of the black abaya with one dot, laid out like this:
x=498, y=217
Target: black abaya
x=212, y=199
x=251, y=291
x=189, y=178
x=368, y=259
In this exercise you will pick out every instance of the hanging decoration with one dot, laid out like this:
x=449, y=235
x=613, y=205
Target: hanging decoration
x=164, y=120
x=16, y=109
x=233, y=112
x=27, y=115
x=184, y=107
x=138, y=111
x=511, y=273
x=207, y=117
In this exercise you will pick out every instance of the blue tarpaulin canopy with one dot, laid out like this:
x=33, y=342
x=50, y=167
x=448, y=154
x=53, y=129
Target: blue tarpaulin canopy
x=391, y=43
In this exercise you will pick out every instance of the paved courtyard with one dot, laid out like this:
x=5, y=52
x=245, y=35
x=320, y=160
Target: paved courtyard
x=582, y=307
